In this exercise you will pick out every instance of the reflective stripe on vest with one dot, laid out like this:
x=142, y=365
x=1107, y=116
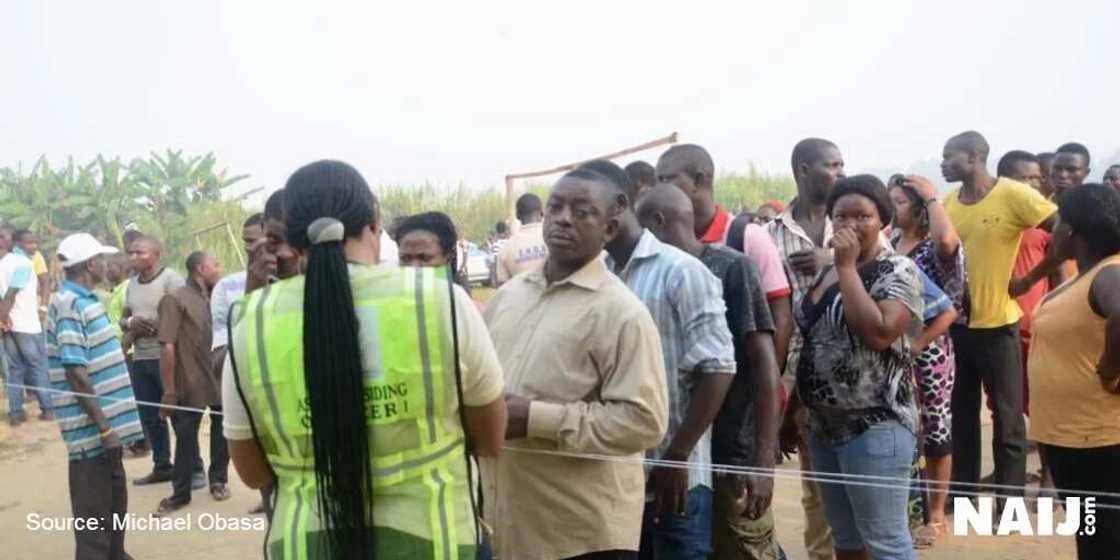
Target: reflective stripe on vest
x=409, y=394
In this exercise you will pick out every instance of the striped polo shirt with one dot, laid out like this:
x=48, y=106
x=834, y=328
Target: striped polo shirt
x=80, y=334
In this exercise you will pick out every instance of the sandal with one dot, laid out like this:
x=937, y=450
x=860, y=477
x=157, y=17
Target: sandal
x=927, y=535
x=219, y=492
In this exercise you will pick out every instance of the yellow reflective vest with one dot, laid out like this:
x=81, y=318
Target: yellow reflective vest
x=421, y=499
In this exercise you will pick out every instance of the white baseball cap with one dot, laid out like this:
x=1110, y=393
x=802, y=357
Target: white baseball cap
x=81, y=247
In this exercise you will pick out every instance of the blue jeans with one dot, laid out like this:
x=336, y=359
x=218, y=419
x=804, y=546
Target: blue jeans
x=27, y=365
x=148, y=387
x=679, y=537
x=869, y=514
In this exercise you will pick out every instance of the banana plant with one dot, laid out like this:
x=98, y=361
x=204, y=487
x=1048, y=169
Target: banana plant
x=33, y=201
x=104, y=198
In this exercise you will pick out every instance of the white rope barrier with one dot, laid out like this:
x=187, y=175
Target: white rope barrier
x=871, y=481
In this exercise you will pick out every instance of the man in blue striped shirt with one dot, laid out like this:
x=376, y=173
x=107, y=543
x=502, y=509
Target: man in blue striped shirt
x=85, y=359
x=686, y=302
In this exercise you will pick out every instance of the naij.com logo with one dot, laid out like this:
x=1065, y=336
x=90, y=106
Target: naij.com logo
x=970, y=519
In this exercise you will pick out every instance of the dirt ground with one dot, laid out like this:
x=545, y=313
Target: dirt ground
x=34, y=481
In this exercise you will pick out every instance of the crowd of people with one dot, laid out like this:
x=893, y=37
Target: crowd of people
x=646, y=360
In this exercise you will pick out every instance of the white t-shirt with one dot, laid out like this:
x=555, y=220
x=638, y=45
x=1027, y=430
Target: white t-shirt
x=225, y=292
x=17, y=273
x=483, y=381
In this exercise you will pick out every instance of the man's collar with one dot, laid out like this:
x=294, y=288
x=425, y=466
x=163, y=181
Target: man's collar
x=140, y=277
x=718, y=228
x=194, y=285
x=647, y=247
x=77, y=288
x=590, y=277
x=786, y=219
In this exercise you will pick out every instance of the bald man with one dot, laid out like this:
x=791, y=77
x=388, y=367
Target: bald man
x=746, y=428
x=140, y=322
x=690, y=168
x=990, y=215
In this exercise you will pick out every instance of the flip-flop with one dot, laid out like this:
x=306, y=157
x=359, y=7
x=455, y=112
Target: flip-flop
x=219, y=492
x=927, y=535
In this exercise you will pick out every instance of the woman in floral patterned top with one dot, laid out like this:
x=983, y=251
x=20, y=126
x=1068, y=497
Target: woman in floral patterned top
x=924, y=233
x=856, y=374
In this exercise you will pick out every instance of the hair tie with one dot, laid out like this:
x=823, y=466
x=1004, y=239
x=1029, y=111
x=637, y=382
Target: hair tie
x=326, y=230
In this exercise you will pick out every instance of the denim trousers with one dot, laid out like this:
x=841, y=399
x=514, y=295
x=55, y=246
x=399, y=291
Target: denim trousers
x=868, y=513
x=148, y=387
x=27, y=365
x=679, y=537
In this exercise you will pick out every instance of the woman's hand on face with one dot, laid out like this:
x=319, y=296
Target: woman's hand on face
x=845, y=246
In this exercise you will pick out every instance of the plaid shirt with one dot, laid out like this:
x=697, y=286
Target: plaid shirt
x=791, y=238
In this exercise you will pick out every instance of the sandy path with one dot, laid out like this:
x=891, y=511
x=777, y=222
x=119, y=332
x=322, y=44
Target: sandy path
x=34, y=480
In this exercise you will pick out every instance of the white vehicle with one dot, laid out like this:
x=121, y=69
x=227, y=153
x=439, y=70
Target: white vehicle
x=478, y=266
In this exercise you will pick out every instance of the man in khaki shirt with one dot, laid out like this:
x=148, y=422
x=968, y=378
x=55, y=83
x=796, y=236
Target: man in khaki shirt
x=584, y=376
x=526, y=250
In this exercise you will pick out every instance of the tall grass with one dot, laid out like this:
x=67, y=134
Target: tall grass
x=751, y=189
x=475, y=211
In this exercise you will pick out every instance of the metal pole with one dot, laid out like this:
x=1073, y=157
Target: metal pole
x=233, y=242
x=670, y=139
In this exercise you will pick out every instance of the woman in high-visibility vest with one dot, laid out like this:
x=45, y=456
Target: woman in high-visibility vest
x=344, y=388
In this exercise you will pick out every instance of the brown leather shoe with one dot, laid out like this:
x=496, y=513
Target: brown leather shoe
x=153, y=477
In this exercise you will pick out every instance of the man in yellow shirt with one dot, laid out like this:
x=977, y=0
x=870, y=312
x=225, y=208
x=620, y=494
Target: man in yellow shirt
x=990, y=215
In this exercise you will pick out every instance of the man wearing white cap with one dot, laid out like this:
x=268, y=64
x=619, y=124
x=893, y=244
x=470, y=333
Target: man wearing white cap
x=85, y=358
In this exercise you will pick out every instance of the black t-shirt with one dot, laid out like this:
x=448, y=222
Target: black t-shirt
x=733, y=433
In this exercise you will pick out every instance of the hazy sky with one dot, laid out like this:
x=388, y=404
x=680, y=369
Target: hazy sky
x=469, y=91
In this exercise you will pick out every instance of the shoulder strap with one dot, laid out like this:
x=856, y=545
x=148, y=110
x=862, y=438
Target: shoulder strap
x=476, y=507
x=737, y=232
